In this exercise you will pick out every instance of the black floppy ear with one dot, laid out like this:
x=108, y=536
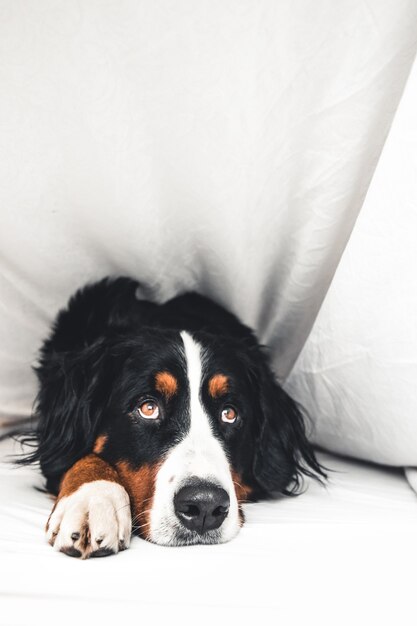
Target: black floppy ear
x=69, y=408
x=283, y=453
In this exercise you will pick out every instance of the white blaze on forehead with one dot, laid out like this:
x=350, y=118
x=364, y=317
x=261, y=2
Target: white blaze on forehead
x=204, y=448
x=199, y=455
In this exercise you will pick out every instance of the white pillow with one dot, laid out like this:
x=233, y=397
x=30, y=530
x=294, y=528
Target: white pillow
x=357, y=374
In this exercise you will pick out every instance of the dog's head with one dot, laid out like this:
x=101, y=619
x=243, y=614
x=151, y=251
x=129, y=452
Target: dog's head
x=194, y=424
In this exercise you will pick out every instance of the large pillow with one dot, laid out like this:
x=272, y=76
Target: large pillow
x=357, y=374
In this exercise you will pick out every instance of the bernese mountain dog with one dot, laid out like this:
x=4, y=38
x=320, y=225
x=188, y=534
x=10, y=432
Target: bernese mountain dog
x=161, y=419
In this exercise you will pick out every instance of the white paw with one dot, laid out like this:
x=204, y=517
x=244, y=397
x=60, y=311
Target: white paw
x=95, y=520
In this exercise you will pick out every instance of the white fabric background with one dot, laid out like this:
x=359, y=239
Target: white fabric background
x=220, y=145
x=357, y=374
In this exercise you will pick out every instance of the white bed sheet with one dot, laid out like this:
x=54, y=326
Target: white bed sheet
x=344, y=554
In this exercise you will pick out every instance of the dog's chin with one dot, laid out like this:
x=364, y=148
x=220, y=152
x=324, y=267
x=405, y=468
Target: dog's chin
x=190, y=538
x=180, y=536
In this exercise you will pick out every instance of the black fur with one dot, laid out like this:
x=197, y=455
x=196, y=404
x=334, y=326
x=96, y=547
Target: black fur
x=100, y=360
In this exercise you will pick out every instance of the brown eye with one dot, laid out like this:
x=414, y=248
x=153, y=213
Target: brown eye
x=149, y=410
x=229, y=415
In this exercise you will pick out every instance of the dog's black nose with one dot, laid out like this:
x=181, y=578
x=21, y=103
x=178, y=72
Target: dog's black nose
x=201, y=506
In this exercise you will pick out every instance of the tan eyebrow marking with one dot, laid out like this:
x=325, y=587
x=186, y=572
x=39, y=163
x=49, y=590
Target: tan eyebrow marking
x=166, y=384
x=99, y=444
x=218, y=385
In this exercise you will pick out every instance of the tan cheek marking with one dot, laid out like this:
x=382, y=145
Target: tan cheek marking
x=86, y=470
x=99, y=444
x=166, y=384
x=242, y=491
x=140, y=485
x=218, y=385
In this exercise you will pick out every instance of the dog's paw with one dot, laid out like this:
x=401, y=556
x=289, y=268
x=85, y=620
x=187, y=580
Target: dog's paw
x=93, y=521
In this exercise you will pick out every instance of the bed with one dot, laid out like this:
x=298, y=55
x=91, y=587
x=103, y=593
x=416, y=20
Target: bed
x=344, y=553
x=245, y=136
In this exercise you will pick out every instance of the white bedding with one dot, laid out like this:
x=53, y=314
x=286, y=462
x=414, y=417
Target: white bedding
x=344, y=554
x=244, y=135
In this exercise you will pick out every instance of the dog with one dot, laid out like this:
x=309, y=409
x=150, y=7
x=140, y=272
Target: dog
x=161, y=419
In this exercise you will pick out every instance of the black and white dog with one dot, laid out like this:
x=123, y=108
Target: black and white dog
x=161, y=418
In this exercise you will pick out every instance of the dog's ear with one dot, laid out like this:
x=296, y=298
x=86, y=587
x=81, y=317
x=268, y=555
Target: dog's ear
x=283, y=454
x=69, y=408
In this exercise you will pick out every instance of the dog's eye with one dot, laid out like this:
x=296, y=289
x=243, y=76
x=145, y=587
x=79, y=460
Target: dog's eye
x=229, y=415
x=149, y=410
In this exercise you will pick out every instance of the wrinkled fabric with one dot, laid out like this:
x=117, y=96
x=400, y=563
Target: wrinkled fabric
x=357, y=374
x=219, y=146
